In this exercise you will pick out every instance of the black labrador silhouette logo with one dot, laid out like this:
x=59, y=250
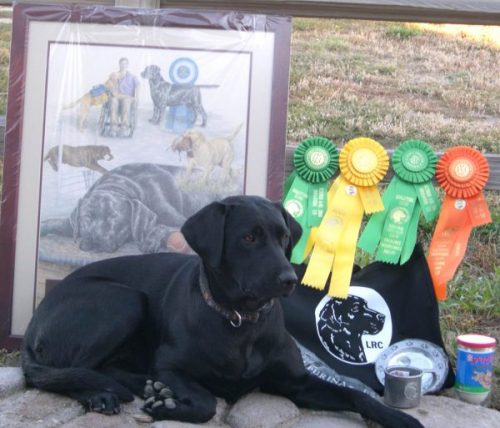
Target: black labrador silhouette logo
x=355, y=330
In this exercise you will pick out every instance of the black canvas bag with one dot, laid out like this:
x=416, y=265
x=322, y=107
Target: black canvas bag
x=386, y=304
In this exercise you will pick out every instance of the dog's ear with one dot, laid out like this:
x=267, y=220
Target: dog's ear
x=74, y=221
x=204, y=232
x=142, y=222
x=293, y=226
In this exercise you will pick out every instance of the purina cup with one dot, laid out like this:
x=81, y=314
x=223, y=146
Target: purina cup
x=475, y=355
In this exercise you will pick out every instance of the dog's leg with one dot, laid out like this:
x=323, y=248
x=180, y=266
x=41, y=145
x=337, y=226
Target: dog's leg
x=174, y=396
x=66, y=345
x=133, y=381
x=287, y=376
x=56, y=226
x=161, y=111
x=96, y=167
x=107, y=403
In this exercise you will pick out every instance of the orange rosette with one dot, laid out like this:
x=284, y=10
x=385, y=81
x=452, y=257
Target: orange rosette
x=462, y=172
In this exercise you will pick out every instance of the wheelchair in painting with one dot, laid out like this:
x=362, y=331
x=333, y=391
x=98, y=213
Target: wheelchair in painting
x=121, y=127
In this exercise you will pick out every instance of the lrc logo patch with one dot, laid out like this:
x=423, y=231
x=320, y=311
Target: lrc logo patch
x=355, y=330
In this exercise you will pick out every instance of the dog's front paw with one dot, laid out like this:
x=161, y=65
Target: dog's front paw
x=107, y=403
x=159, y=400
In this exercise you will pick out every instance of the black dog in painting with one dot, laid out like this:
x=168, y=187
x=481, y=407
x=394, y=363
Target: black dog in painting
x=180, y=330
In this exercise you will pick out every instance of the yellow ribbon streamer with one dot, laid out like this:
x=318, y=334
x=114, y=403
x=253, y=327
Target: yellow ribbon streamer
x=363, y=163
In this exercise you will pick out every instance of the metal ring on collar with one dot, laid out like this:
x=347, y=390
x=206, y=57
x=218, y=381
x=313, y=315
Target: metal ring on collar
x=238, y=321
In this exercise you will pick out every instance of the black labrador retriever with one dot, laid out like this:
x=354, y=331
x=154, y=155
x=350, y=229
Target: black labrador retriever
x=180, y=330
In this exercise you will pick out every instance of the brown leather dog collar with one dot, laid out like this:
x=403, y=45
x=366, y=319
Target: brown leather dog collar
x=234, y=317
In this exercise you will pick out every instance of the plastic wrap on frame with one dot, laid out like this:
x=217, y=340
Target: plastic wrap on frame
x=70, y=122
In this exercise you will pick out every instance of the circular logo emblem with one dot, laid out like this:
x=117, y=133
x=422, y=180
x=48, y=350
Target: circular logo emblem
x=294, y=207
x=460, y=204
x=400, y=215
x=355, y=330
x=364, y=160
x=183, y=71
x=351, y=190
x=317, y=158
x=414, y=160
x=462, y=169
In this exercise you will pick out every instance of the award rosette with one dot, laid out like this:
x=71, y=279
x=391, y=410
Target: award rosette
x=462, y=172
x=363, y=163
x=315, y=161
x=410, y=192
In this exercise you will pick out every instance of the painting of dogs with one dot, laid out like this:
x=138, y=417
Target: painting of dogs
x=80, y=156
x=180, y=330
x=206, y=154
x=342, y=324
x=164, y=94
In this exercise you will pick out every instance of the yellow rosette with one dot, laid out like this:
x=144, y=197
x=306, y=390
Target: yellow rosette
x=363, y=163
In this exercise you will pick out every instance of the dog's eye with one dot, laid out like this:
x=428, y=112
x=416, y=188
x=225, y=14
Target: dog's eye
x=249, y=237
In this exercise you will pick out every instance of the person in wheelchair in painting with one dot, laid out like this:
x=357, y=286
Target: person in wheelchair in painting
x=118, y=114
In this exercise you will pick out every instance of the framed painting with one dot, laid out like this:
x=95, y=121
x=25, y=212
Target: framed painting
x=121, y=123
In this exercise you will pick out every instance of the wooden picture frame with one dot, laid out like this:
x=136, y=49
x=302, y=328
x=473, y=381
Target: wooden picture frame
x=64, y=55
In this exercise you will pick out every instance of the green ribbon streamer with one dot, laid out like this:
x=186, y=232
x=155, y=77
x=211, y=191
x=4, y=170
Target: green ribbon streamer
x=410, y=192
x=305, y=190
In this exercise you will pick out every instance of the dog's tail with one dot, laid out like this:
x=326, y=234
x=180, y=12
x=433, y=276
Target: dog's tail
x=73, y=104
x=235, y=133
x=67, y=380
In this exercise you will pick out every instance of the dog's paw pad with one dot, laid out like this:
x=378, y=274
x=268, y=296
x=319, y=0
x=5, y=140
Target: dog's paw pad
x=166, y=393
x=155, y=405
x=148, y=389
x=149, y=401
x=158, y=386
x=170, y=403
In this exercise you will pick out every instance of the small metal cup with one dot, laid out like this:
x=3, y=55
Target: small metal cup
x=403, y=387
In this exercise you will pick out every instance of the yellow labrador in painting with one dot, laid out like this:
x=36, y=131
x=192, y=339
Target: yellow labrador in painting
x=206, y=154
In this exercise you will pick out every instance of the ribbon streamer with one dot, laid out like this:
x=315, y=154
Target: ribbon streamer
x=462, y=172
x=315, y=161
x=363, y=163
x=410, y=192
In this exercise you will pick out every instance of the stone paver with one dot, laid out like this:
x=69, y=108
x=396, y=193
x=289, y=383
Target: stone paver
x=94, y=420
x=313, y=419
x=33, y=408
x=29, y=408
x=258, y=410
x=11, y=380
x=439, y=412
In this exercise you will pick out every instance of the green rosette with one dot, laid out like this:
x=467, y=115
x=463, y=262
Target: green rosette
x=393, y=232
x=315, y=161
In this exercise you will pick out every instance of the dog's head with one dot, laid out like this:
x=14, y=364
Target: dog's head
x=100, y=222
x=150, y=72
x=186, y=141
x=352, y=316
x=247, y=242
x=104, y=152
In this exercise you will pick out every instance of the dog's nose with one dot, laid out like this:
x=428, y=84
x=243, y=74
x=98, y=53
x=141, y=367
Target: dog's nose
x=381, y=317
x=287, y=281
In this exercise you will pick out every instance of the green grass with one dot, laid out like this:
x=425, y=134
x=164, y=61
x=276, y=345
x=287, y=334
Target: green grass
x=9, y=359
x=401, y=32
x=5, y=35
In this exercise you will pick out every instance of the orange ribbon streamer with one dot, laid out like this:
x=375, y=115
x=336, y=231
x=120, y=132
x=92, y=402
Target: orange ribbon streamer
x=462, y=172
